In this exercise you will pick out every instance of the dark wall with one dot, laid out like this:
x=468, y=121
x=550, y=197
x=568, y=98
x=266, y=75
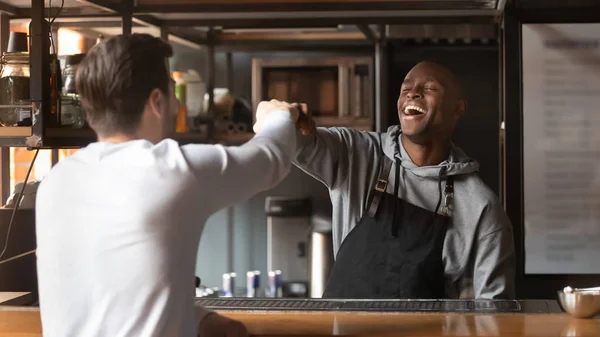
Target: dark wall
x=477, y=133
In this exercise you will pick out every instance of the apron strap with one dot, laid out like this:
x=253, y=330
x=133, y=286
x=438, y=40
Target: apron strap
x=380, y=186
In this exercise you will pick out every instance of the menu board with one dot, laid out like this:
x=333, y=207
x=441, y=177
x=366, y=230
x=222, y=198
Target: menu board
x=561, y=135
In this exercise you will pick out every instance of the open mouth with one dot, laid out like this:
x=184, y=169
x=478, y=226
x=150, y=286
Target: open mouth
x=412, y=110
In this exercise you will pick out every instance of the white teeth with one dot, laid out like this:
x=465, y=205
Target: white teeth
x=413, y=107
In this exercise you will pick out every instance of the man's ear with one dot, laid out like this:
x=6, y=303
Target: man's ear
x=460, y=107
x=156, y=101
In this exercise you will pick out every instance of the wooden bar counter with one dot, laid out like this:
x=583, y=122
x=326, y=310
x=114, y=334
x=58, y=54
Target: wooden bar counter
x=25, y=322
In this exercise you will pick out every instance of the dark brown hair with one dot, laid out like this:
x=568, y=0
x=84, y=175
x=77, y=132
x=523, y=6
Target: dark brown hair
x=116, y=78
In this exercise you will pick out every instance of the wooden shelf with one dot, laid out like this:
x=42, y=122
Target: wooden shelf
x=359, y=123
x=234, y=139
x=191, y=138
x=70, y=133
x=81, y=136
x=15, y=131
x=70, y=137
x=182, y=138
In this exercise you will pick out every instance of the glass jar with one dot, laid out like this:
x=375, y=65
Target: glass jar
x=71, y=111
x=71, y=63
x=69, y=76
x=14, y=88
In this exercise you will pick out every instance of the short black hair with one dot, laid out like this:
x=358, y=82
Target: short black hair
x=116, y=78
x=456, y=80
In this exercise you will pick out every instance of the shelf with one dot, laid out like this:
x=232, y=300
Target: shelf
x=70, y=133
x=15, y=131
x=234, y=139
x=71, y=137
x=82, y=137
x=67, y=137
x=191, y=138
x=359, y=123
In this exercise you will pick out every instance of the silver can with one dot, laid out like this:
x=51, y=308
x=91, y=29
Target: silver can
x=250, y=280
x=275, y=284
x=228, y=284
x=257, y=289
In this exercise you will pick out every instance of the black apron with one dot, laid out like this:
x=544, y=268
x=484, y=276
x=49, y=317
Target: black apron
x=395, y=250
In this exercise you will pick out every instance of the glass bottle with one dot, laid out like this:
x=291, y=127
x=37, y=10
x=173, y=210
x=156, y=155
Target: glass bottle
x=180, y=94
x=71, y=111
x=71, y=63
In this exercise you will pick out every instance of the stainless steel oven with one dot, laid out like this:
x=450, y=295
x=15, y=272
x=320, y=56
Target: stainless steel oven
x=337, y=90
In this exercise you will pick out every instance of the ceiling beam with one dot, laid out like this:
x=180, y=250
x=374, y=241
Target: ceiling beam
x=147, y=20
x=293, y=45
x=10, y=9
x=92, y=24
x=316, y=6
x=68, y=12
x=327, y=19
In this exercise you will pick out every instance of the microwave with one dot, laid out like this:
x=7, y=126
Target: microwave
x=338, y=91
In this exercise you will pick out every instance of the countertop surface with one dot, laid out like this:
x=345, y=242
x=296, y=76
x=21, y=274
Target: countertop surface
x=534, y=321
x=405, y=324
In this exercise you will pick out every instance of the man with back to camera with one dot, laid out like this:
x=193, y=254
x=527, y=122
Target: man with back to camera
x=411, y=217
x=119, y=222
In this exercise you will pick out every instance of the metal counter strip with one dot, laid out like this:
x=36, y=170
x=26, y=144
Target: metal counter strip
x=464, y=306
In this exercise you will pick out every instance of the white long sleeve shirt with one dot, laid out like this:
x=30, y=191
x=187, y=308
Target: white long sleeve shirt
x=118, y=228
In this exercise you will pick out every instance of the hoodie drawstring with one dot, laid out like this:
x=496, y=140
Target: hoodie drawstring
x=440, y=177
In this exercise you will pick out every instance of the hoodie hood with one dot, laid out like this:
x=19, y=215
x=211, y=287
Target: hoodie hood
x=457, y=163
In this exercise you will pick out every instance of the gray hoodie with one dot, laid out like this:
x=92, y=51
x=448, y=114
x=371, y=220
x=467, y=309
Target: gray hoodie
x=478, y=249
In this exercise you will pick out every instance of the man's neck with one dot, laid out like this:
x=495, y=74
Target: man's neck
x=426, y=154
x=116, y=139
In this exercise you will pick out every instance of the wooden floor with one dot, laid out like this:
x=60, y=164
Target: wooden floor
x=25, y=322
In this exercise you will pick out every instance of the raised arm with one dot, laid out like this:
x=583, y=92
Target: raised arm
x=233, y=174
x=326, y=154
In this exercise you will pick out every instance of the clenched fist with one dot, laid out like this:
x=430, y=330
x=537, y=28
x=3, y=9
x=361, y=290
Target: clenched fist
x=265, y=108
x=215, y=325
x=305, y=122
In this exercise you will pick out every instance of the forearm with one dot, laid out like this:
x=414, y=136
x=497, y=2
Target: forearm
x=324, y=155
x=237, y=173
